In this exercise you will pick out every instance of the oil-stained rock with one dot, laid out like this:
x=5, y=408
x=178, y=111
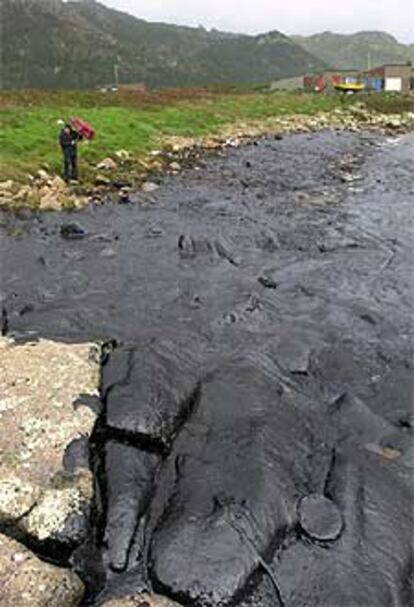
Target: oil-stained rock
x=158, y=390
x=371, y=563
x=72, y=231
x=240, y=467
x=129, y=486
x=320, y=518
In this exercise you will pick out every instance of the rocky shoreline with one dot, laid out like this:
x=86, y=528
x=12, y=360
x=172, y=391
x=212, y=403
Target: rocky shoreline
x=244, y=436
x=119, y=175
x=46, y=486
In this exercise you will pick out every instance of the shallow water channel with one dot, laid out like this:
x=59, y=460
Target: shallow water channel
x=254, y=446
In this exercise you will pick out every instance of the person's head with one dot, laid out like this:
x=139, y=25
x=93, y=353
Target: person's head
x=67, y=128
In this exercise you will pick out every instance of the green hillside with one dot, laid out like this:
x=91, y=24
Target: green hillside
x=76, y=44
x=356, y=50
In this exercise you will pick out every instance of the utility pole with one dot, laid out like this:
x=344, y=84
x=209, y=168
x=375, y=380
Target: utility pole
x=369, y=60
x=116, y=74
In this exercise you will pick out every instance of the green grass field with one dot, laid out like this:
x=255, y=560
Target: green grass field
x=126, y=121
x=131, y=120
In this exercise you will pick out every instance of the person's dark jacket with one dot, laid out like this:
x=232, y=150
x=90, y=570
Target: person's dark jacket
x=68, y=141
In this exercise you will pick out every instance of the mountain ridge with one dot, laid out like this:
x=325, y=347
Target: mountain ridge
x=85, y=44
x=360, y=50
x=76, y=44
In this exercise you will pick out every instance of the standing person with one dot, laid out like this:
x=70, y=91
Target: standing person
x=68, y=140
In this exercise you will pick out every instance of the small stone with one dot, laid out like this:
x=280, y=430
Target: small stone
x=43, y=175
x=44, y=191
x=23, y=194
x=57, y=183
x=149, y=186
x=268, y=283
x=154, y=232
x=108, y=253
x=175, y=166
x=49, y=201
x=26, y=581
x=320, y=518
x=76, y=202
x=186, y=246
x=124, y=197
x=108, y=164
x=394, y=122
x=6, y=186
x=102, y=180
x=123, y=154
x=120, y=184
x=72, y=231
x=386, y=452
x=143, y=600
x=54, y=509
x=232, y=143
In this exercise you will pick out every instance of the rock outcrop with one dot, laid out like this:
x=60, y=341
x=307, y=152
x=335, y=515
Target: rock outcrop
x=143, y=600
x=45, y=491
x=44, y=192
x=27, y=581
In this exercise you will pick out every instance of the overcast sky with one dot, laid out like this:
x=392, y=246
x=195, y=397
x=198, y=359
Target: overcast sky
x=288, y=16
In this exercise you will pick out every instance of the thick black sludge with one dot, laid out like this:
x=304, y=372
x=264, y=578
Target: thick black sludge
x=255, y=443
x=157, y=394
x=239, y=480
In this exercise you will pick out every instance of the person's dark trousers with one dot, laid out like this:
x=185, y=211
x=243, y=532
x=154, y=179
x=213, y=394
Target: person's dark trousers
x=70, y=156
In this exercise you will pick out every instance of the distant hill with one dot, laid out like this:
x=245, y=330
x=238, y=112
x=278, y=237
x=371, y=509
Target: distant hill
x=75, y=44
x=356, y=50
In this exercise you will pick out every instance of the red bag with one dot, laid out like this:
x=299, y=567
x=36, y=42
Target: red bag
x=83, y=128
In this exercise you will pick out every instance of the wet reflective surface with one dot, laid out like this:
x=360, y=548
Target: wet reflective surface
x=255, y=445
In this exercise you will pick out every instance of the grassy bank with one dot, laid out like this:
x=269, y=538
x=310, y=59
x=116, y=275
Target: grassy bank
x=138, y=122
x=135, y=122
